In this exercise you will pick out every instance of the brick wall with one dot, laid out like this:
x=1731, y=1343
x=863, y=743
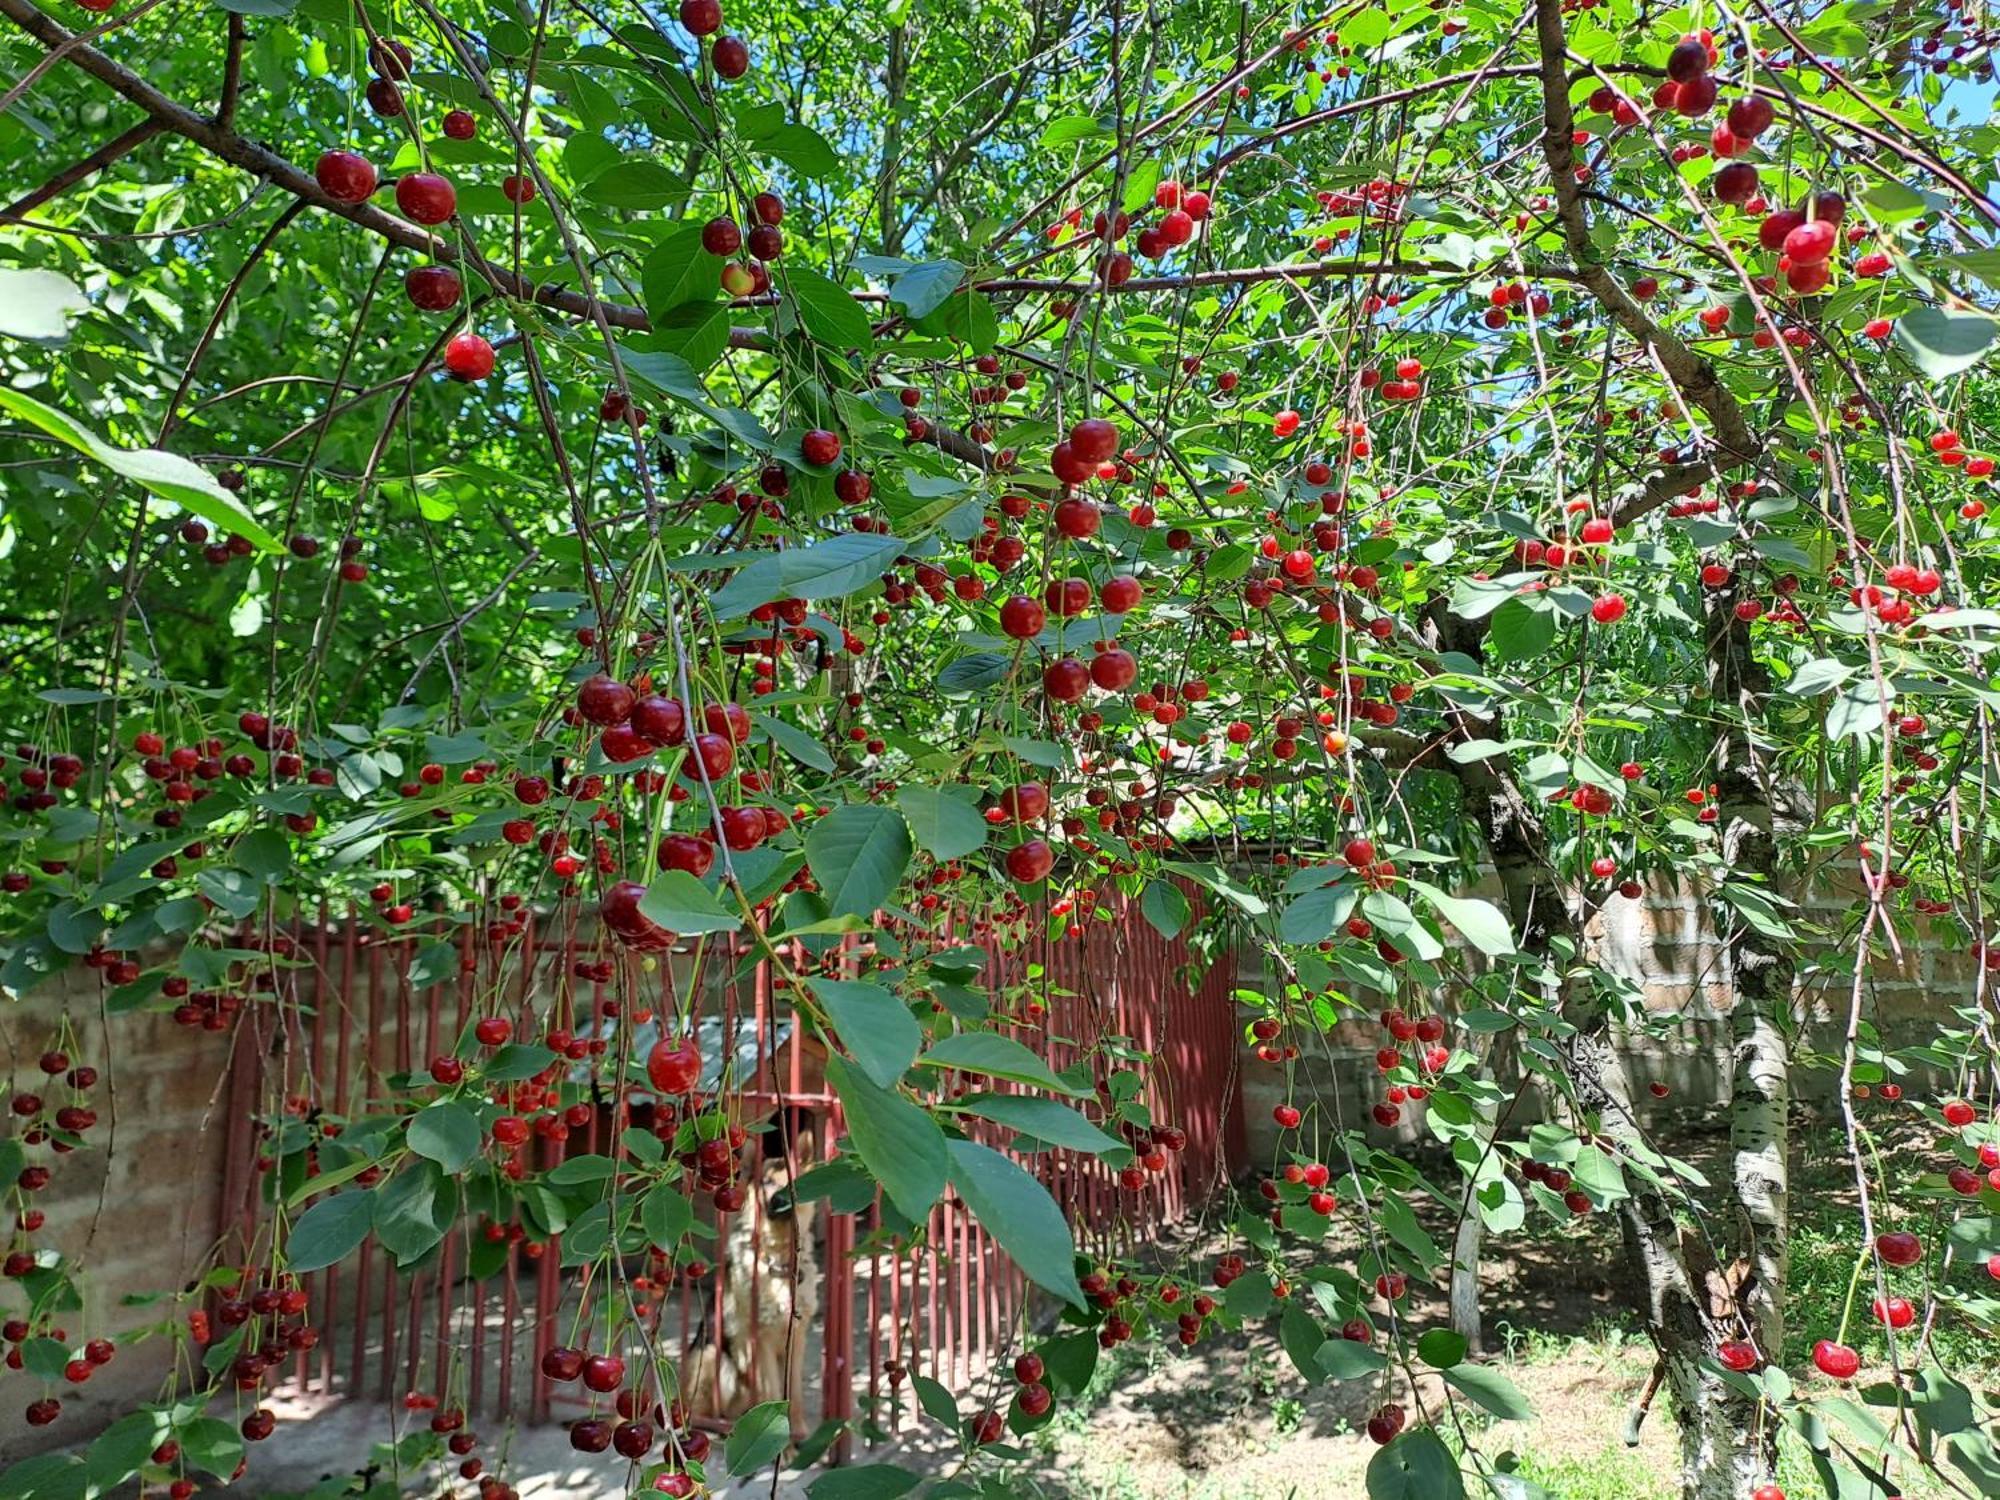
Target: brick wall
x=1665, y=942
x=137, y=1206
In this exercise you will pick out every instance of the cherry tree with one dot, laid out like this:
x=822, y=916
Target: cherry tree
x=834, y=484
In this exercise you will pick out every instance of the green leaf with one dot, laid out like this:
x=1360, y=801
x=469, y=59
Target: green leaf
x=590, y=1167
x=801, y=148
x=898, y=1143
x=1313, y=916
x=874, y=1026
x=863, y=1482
x=1019, y=1213
x=634, y=183
x=1301, y=1336
x=1049, y=1121
x=826, y=310
x=1249, y=1296
x=167, y=475
x=1072, y=128
x=516, y=1061
x=212, y=1444
x=413, y=1210
x=758, y=1437
x=126, y=1446
x=446, y=1133
x=1346, y=1359
x=1165, y=905
x=1441, y=1348
x=1480, y=922
x=38, y=305
x=1222, y=882
x=680, y=903
x=971, y=674
x=44, y=1358
x=678, y=271
x=1489, y=1388
x=795, y=742
x=1416, y=1466
x=922, y=289
x=1942, y=344
x=1519, y=630
x=831, y=569
x=265, y=853
x=666, y=1215
x=944, y=820
x=857, y=854
x=330, y=1230
x=1817, y=676
x=996, y=1056
x=937, y=1400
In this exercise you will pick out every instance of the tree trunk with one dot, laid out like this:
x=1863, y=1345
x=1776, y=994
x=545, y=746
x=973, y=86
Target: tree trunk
x=1752, y=802
x=1723, y=1454
x=894, y=82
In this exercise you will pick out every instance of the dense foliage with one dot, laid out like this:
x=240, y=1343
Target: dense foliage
x=930, y=470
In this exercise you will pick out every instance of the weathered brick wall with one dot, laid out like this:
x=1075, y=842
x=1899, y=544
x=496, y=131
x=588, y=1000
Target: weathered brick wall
x=1665, y=942
x=137, y=1206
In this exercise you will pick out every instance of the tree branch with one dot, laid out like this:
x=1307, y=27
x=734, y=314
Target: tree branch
x=76, y=171
x=1691, y=375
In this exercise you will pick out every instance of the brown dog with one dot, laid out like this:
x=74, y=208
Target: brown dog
x=768, y=1262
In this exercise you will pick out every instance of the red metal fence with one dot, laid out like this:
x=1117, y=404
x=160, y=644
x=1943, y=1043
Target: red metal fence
x=368, y=1006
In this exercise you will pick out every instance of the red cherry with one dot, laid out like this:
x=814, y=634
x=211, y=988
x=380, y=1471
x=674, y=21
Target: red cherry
x=432, y=288
x=731, y=58
x=1022, y=618
x=1093, y=440
x=674, y=1067
x=1836, y=1360
x=1895, y=1312
x=1386, y=1423
x=604, y=700
x=661, y=720
x=1118, y=595
x=820, y=447
x=701, y=17
x=1749, y=118
x=1114, y=670
x=1077, y=518
x=1030, y=861
x=460, y=126
x=721, y=237
x=1898, y=1247
x=1811, y=243
x=603, y=1373
x=1688, y=61
x=1066, y=679
x=426, y=197
x=345, y=176
x=1738, y=1355
x=468, y=357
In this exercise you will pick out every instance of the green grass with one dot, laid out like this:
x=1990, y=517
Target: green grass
x=1609, y=1474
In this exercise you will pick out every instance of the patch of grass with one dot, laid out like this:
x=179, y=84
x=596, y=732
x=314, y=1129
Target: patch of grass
x=1609, y=1474
x=1604, y=1338
x=1822, y=1268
